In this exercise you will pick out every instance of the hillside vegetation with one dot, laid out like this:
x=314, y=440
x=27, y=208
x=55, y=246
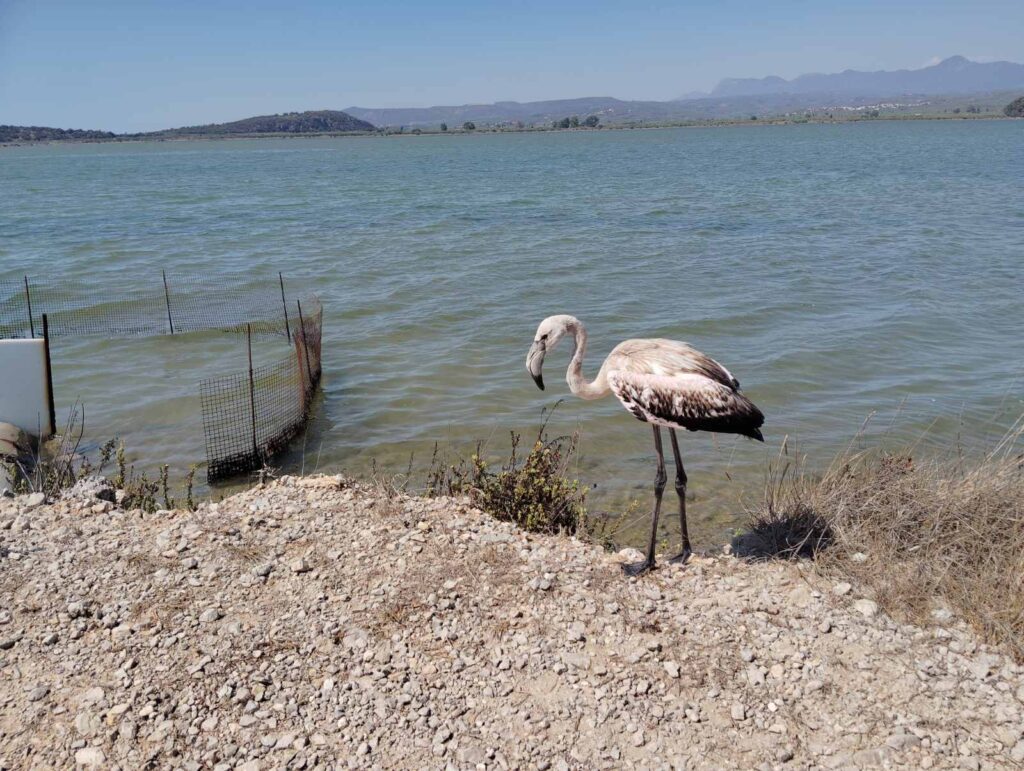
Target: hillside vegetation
x=1015, y=109
x=310, y=122
x=45, y=133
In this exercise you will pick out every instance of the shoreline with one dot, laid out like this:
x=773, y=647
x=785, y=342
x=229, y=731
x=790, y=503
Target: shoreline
x=386, y=134
x=319, y=621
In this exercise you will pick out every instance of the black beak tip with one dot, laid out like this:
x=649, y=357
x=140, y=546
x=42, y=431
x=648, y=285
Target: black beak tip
x=539, y=380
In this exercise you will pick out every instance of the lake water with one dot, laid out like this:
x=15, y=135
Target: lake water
x=839, y=271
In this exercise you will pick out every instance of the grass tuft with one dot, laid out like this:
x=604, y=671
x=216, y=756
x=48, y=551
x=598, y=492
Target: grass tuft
x=921, y=536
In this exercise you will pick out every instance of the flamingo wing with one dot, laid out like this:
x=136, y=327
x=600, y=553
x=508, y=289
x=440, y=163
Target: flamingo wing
x=669, y=357
x=687, y=400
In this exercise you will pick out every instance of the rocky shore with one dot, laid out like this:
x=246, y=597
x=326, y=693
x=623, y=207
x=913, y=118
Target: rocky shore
x=320, y=623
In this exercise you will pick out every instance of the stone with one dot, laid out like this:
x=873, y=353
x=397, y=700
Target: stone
x=842, y=588
x=35, y=500
x=867, y=608
x=210, y=615
x=90, y=756
x=87, y=724
x=38, y=693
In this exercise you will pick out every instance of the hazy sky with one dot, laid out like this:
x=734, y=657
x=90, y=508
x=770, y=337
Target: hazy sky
x=145, y=64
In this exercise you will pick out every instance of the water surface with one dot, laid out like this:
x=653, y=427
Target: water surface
x=839, y=272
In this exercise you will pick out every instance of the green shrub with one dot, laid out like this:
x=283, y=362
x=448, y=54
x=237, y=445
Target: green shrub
x=531, y=490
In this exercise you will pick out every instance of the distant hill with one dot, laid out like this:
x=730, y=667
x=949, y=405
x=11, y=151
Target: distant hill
x=1015, y=109
x=311, y=122
x=528, y=113
x=45, y=133
x=955, y=75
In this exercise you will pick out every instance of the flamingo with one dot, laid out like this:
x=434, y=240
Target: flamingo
x=661, y=382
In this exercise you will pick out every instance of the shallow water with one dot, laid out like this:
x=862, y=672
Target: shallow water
x=839, y=271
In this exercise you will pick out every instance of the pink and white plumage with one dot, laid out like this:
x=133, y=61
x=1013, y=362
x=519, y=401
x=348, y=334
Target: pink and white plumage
x=671, y=384
x=661, y=382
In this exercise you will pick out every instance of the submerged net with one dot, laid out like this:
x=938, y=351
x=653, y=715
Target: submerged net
x=248, y=417
x=168, y=305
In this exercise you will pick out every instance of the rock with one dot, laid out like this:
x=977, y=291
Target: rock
x=738, y=712
x=35, y=500
x=901, y=741
x=9, y=642
x=300, y=566
x=91, y=488
x=630, y=555
x=1017, y=752
x=867, y=608
x=38, y=693
x=672, y=668
x=210, y=615
x=841, y=589
x=90, y=756
x=87, y=724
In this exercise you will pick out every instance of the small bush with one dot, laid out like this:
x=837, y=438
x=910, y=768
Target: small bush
x=531, y=490
x=57, y=465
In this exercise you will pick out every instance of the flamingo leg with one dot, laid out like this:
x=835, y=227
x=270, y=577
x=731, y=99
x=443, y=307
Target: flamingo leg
x=684, y=555
x=660, y=478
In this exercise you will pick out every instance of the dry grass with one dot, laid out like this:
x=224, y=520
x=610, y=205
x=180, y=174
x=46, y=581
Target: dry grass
x=919, y=535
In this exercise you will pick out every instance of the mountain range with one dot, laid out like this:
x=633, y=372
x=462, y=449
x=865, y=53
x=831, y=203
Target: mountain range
x=955, y=75
x=734, y=97
x=953, y=85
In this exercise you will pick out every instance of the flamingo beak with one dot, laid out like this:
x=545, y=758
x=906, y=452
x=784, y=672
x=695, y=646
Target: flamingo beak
x=535, y=361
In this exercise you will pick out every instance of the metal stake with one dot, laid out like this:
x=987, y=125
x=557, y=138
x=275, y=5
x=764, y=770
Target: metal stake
x=305, y=347
x=167, y=299
x=28, y=299
x=252, y=394
x=284, y=304
x=49, y=375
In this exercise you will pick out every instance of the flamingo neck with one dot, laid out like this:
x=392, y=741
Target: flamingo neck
x=598, y=387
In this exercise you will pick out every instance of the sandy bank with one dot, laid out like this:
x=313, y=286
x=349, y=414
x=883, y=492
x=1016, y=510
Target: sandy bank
x=314, y=623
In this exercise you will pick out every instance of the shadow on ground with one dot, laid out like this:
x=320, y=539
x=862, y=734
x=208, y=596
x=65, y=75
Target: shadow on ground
x=797, y=534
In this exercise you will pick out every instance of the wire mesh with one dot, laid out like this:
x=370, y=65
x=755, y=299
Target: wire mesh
x=167, y=304
x=248, y=417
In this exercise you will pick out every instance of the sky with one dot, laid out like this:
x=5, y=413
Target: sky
x=144, y=65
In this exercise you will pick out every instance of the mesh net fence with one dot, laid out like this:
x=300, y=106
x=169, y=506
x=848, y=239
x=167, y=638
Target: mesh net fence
x=249, y=416
x=166, y=305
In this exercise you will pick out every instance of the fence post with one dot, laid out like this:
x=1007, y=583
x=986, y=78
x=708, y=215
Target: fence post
x=252, y=394
x=28, y=300
x=167, y=300
x=49, y=375
x=284, y=304
x=305, y=347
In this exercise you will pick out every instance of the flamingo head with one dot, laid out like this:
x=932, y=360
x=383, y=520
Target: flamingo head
x=551, y=330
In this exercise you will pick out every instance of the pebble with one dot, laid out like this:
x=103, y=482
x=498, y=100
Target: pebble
x=90, y=756
x=867, y=608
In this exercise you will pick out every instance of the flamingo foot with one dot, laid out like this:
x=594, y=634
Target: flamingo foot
x=682, y=558
x=638, y=568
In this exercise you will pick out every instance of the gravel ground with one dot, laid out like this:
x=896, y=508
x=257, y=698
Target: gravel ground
x=316, y=623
